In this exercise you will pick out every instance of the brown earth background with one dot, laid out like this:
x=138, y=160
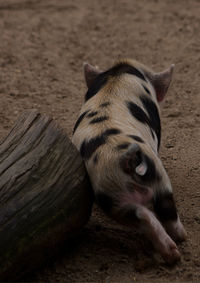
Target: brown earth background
x=43, y=44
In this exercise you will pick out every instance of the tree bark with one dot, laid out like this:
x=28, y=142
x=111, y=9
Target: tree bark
x=45, y=194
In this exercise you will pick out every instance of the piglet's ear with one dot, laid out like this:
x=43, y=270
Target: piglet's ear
x=161, y=82
x=90, y=73
x=132, y=161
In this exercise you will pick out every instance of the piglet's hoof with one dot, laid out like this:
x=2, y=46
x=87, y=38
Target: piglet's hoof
x=172, y=255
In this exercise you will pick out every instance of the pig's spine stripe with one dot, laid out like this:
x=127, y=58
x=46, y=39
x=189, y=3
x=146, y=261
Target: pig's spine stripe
x=117, y=70
x=133, y=71
x=154, y=118
x=92, y=114
x=99, y=119
x=79, y=120
x=123, y=145
x=89, y=147
x=124, y=68
x=136, y=138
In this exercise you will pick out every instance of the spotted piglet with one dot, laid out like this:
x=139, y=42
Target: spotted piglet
x=118, y=135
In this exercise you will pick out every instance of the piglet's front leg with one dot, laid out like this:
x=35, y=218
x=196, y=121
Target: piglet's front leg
x=153, y=229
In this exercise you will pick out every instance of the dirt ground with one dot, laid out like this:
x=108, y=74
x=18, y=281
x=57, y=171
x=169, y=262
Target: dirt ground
x=43, y=44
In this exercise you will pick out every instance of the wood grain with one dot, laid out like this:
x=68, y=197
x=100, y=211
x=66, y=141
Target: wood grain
x=45, y=194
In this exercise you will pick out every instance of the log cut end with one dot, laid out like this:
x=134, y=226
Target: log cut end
x=45, y=194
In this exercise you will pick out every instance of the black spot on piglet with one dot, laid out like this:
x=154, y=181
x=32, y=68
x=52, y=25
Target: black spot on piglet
x=124, y=145
x=164, y=206
x=136, y=138
x=99, y=119
x=104, y=201
x=79, y=120
x=92, y=114
x=96, y=158
x=151, y=175
x=105, y=104
x=89, y=147
x=154, y=118
x=146, y=89
x=137, y=112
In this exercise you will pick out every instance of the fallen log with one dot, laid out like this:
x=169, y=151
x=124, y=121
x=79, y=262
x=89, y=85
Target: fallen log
x=45, y=194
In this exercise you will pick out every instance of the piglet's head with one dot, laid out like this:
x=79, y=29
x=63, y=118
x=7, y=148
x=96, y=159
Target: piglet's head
x=160, y=81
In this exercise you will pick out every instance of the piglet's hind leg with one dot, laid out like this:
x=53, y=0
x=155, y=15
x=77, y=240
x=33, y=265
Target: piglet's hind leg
x=175, y=229
x=153, y=229
x=129, y=214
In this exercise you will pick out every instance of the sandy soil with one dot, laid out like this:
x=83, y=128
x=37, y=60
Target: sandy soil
x=43, y=44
